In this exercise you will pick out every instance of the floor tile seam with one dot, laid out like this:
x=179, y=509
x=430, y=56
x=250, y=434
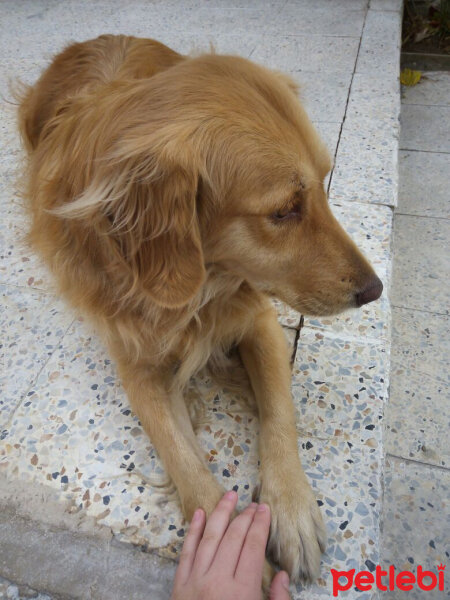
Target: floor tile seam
x=346, y=203
x=312, y=35
x=330, y=180
x=249, y=55
x=420, y=216
x=412, y=308
x=422, y=104
x=318, y=121
x=262, y=34
x=277, y=12
x=24, y=287
x=34, y=380
x=307, y=434
x=29, y=288
x=297, y=338
x=335, y=200
x=418, y=373
x=403, y=214
x=363, y=339
x=290, y=327
x=422, y=150
x=355, y=444
x=417, y=462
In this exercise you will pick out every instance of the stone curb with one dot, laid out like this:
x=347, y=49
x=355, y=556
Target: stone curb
x=80, y=555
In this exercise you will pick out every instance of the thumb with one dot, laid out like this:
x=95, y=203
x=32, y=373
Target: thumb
x=279, y=588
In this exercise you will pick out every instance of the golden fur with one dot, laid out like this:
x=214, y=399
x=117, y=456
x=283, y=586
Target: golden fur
x=171, y=196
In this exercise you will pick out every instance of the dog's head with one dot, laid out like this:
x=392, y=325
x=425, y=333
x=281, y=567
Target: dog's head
x=214, y=161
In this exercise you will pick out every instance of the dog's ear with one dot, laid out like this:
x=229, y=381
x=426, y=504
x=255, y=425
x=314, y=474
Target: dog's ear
x=144, y=211
x=158, y=233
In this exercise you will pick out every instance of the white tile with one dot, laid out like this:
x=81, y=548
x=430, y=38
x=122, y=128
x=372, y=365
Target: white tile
x=425, y=128
x=324, y=94
x=340, y=387
x=223, y=43
x=421, y=268
x=385, y=26
x=366, y=168
x=421, y=343
x=329, y=132
x=287, y=316
x=375, y=97
x=32, y=325
x=416, y=513
x=312, y=19
x=308, y=53
x=19, y=265
x=347, y=484
x=329, y=4
x=396, y=5
x=417, y=417
x=146, y=21
x=10, y=142
x=423, y=184
x=24, y=70
x=380, y=45
x=432, y=89
x=418, y=413
x=370, y=227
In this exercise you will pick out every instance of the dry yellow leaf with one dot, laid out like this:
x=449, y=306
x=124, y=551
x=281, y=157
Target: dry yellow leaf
x=410, y=77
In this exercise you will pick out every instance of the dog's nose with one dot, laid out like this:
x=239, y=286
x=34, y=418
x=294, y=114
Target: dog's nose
x=372, y=291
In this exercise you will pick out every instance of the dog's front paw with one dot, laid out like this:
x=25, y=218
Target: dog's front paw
x=297, y=533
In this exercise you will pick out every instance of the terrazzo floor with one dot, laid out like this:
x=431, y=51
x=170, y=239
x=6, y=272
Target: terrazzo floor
x=64, y=418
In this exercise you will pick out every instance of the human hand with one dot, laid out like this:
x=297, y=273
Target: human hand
x=224, y=561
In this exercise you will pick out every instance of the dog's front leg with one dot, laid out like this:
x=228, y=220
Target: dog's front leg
x=164, y=417
x=297, y=535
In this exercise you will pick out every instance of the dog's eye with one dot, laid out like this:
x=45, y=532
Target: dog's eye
x=286, y=214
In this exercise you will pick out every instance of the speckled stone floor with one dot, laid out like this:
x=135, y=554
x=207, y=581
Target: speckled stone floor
x=416, y=508
x=65, y=421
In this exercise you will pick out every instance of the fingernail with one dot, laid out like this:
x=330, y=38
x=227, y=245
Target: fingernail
x=262, y=507
x=231, y=495
x=285, y=580
x=197, y=515
x=253, y=505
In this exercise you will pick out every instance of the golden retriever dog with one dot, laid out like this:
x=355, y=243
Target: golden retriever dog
x=172, y=196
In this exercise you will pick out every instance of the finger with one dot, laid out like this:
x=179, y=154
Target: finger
x=187, y=556
x=279, y=589
x=251, y=560
x=229, y=550
x=215, y=528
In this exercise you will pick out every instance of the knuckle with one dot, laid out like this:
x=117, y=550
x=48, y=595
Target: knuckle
x=235, y=535
x=209, y=536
